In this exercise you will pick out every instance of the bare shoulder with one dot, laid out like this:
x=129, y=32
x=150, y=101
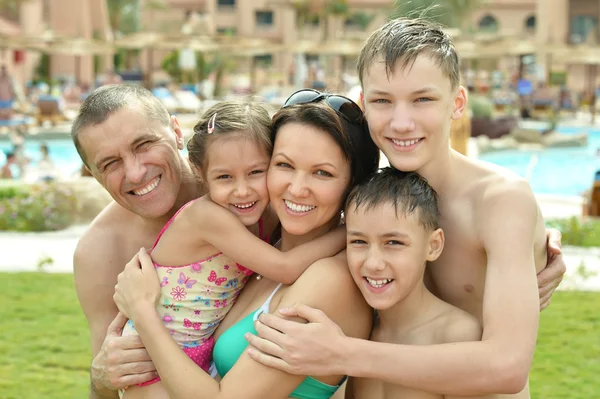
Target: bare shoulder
x=333, y=272
x=459, y=326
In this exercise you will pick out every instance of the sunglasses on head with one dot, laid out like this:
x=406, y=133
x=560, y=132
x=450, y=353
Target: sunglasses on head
x=345, y=107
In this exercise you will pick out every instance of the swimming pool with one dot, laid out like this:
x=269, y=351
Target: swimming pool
x=559, y=171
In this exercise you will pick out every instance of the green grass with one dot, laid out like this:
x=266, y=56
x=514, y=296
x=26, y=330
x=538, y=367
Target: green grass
x=45, y=342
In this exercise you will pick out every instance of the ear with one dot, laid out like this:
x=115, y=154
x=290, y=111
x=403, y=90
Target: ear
x=178, y=132
x=436, y=245
x=362, y=100
x=460, y=103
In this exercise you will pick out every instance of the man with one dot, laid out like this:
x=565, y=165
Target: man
x=7, y=94
x=495, y=240
x=131, y=145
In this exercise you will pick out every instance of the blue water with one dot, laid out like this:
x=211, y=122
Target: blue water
x=562, y=171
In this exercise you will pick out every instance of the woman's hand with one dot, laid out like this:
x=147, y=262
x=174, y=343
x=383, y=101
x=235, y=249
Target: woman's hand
x=138, y=288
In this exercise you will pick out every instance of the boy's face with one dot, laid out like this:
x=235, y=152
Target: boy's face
x=410, y=113
x=387, y=253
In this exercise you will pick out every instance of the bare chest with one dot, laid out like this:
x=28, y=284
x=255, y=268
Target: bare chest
x=458, y=275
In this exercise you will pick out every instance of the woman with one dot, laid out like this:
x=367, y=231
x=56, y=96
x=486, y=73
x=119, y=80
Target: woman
x=321, y=150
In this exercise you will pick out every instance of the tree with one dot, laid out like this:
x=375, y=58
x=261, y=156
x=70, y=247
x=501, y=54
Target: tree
x=452, y=13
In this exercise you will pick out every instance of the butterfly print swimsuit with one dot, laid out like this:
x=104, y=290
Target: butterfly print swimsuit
x=195, y=298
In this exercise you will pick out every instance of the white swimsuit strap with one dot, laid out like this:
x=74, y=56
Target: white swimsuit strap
x=265, y=306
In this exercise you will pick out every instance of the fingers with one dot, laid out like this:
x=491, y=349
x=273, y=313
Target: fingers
x=554, y=238
x=128, y=343
x=264, y=345
x=269, y=361
x=145, y=260
x=125, y=381
x=312, y=315
x=274, y=322
x=544, y=304
x=115, y=327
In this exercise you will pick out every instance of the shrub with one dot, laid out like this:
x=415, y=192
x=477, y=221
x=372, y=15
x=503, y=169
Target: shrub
x=481, y=106
x=577, y=232
x=39, y=207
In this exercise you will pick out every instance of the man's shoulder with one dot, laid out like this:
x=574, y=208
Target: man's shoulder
x=106, y=232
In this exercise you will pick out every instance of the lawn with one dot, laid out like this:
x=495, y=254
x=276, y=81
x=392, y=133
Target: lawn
x=45, y=339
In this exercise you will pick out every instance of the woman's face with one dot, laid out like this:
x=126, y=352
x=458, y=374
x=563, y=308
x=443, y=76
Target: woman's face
x=307, y=178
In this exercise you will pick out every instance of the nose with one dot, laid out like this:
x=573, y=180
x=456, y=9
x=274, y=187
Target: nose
x=135, y=170
x=298, y=186
x=242, y=189
x=402, y=121
x=374, y=263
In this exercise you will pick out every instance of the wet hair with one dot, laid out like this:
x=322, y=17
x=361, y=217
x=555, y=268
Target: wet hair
x=108, y=99
x=353, y=139
x=229, y=119
x=408, y=192
x=404, y=39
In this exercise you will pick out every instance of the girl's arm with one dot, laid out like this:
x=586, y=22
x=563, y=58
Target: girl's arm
x=225, y=231
x=138, y=290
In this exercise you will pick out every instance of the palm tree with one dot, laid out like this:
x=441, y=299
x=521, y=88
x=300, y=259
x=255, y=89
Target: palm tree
x=452, y=13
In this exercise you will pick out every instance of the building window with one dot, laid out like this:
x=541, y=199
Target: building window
x=226, y=3
x=264, y=18
x=265, y=60
x=488, y=24
x=582, y=26
x=530, y=23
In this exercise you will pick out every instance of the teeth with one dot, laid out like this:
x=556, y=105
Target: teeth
x=148, y=188
x=405, y=143
x=378, y=283
x=298, y=208
x=245, y=206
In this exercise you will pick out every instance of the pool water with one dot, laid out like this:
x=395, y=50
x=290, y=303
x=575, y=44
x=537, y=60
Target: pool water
x=559, y=171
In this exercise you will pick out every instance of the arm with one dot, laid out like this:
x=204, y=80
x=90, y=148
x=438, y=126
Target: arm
x=225, y=231
x=138, y=289
x=117, y=361
x=499, y=363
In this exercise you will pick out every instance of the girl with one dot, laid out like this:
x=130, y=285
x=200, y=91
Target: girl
x=199, y=253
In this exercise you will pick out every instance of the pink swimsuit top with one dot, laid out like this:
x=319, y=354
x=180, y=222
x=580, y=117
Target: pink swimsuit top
x=197, y=296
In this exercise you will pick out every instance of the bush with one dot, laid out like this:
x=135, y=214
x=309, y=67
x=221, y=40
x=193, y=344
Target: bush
x=39, y=207
x=481, y=106
x=576, y=232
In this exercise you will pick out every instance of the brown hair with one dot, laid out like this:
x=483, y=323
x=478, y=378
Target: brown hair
x=106, y=100
x=224, y=119
x=404, y=39
x=353, y=139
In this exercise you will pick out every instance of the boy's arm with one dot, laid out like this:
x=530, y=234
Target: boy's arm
x=225, y=231
x=498, y=364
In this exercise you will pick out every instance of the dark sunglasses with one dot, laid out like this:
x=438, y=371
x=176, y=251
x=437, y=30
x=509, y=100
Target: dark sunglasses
x=345, y=107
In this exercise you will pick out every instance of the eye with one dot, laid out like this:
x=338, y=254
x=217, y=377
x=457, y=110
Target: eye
x=142, y=145
x=424, y=99
x=257, y=172
x=108, y=165
x=283, y=165
x=380, y=101
x=357, y=242
x=323, y=173
x=394, y=242
x=223, y=177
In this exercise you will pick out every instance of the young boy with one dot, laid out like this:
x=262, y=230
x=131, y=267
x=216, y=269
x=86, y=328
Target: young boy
x=393, y=231
x=495, y=244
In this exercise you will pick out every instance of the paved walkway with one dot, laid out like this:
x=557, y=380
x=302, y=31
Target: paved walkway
x=26, y=251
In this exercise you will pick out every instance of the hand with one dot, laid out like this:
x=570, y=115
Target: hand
x=138, y=288
x=551, y=276
x=314, y=349
x=122, y=361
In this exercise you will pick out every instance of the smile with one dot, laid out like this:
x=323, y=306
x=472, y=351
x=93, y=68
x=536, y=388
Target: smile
x=378, y=283
x=245, y=206
x=148, y=188
x=405, y=143
x=298, y=208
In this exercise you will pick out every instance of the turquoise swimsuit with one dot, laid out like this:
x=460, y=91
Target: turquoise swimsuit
x=232, y=344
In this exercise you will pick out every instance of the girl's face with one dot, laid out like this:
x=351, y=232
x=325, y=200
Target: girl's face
x=236, y=176
x=307, y=179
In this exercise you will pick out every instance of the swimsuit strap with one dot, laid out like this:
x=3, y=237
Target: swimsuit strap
x=265, y=306
x=166, y=226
